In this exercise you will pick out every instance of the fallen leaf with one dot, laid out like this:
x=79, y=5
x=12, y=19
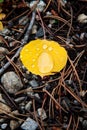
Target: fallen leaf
x=1, y=26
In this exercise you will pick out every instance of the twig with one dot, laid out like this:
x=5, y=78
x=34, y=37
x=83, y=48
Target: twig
x=70, y=23
x=23, y=42
x=9, y=98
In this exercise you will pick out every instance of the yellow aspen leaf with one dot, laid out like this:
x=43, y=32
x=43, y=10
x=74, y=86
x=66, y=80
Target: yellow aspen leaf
x=1, y=26
x=2, y=16
x=43, y=57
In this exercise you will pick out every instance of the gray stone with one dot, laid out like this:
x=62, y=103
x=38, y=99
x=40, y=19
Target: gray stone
x=29, y=124
x=33, y=83
x=6, y=31
x=14, y=124
x=3, y=52
x=37, y=95
x=3, y=126
x=23, y=20
x=40, y=6
x=3, y=105
x=20, y=99
x=41, y=113
x=11, y=82
x=28, y=106
x=30, y=92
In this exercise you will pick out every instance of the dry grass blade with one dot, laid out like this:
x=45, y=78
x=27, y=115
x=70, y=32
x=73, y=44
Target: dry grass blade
x=10, y=114
x=70, y=120
x=74, y=95
x=76, y=74
x=75, y=62
x=60, y=19
x=15, y=66
x=44, y=90
x=12, y=65
x=47, y=5
x=35, y=115
x=2, y=39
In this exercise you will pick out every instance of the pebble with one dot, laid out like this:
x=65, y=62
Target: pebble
x=28, y=106
x=4, y=126
x=4, y=108
x=41, y=113
x=3, y=52
x=33, y=83
x=20, y=99
x=37, y=95
x=6, y=31
x=15, y=112
x=1, y=98
x=29, y=124
x=11, y=82
x=23, y=20
x=3, y=105
x=84, y=124
x=40, y=6
x=14, y=124
x=34, y=29
x=40, y=33
x=30, y=92
x=2, y=120
x=82, y=18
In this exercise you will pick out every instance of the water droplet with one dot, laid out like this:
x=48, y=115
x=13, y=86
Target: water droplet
x=37, y=49
x=45, y=63
x=44, y=46
x=33, y=66
x=37, y=54
x=33, y=60
x=50, y=48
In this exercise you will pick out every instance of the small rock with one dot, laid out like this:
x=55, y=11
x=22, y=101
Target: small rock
x=34, y=29
x=3, y=105
x=52, y=21
x=29, y=124
x=3, y=52
x=48, y=13
x=2, y=120
x=23, y=20
x=11, y=82
x=33, y=83
x=28, y=106
x=15, y=112
x=3, y=126
x=6, y=31
x=4, y=108
x=84, y=124
x=40, y=6
x=20, y=99
x=82, y=93
x=82, y=18
x=14, y=124
x=1, y=98
x=37, y=95
x=40, y=33
x=41, y=113
x=30, y=92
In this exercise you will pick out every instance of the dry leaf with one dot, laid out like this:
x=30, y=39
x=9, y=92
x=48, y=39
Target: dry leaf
x=2, y=16
x=1, y=26
x=43, y=57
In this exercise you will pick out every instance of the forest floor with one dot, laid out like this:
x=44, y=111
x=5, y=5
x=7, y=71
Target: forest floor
x=54, y=102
